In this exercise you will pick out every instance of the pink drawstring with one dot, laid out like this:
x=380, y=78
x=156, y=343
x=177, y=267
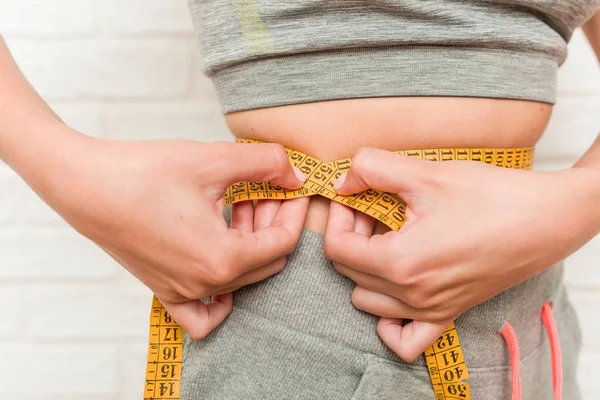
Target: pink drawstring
x=555, y=351
x=510, y=337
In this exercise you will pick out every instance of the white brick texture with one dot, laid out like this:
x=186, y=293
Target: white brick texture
x=114, y=69
x=59, y=253
x=588, y=374
x=579, y=74
x=19, y=203
x=6, y=177
x=72, y=369
x=96, y=312
x=130, y=371
x=12, y=313
x=144, y=17
x=42, y=17
x=74, y=323
x=195, y=121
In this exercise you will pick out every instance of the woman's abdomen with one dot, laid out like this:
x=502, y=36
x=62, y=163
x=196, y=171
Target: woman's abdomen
x=331, y=130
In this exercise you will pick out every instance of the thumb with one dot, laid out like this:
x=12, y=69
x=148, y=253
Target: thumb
x=411, y=340
x=236, y=162
x=199, y=319
x=386, y=171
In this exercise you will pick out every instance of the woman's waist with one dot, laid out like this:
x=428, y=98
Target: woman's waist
x=332, y=130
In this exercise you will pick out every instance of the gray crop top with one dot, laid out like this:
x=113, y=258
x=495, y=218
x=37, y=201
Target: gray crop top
x=263, y=53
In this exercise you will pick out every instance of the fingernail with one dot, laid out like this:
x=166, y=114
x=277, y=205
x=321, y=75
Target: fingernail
x=299, y=174
x=340, y=181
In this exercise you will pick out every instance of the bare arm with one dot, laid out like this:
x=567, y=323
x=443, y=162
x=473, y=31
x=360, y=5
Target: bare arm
x=592, y=31
x=155, y=206
x=18, y=99
x=27, y=124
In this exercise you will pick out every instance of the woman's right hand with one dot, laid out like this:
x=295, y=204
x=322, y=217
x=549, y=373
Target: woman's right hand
x=157, y=208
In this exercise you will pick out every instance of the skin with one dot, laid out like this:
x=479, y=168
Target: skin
x=592, y=31
x=154, y=206
x=331, y=130
x=156, y=209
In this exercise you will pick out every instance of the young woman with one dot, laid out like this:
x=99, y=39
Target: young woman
x=334, y=79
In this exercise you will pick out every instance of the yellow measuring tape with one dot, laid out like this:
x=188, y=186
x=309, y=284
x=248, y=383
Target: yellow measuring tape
x=445, y=359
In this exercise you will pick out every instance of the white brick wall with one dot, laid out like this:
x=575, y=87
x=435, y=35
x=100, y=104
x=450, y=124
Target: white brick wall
x=59, y=369
x=73, y=319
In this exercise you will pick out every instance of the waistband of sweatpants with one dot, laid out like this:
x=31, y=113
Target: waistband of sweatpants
x=310, y=296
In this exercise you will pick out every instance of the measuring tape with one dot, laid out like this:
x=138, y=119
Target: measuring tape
x=445, y=359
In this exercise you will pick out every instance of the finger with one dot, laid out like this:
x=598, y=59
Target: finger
x=386, y=171
x=364, y=224
x=229, y=289
x=352, y=249
x=410, y=340
x=367, y=281
x=199, y=319
x=242, y=216
x=291, y=214
x=265, y=212
x=381, y=228
x=381, y=304
x=341, y=219
x=260, y=274
x=235, y=162
x=270, y=243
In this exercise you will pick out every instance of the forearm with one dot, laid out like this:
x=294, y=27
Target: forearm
x=585, y=174
x=591, y=158
x=586, y=171
x=592, y=31
x=33, y=139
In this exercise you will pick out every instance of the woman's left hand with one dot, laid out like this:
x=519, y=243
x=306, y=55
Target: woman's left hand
x=472, y=230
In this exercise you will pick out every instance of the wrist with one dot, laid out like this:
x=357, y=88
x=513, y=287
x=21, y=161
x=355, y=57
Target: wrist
x=41, y=157
x=582, y=188
x=19, y=141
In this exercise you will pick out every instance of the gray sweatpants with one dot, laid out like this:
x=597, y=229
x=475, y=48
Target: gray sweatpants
x=297, y=335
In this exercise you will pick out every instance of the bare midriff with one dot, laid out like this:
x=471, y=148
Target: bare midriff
x=331, y=130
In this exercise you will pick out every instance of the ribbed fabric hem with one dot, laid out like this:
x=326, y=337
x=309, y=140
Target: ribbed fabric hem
x=386, y=72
